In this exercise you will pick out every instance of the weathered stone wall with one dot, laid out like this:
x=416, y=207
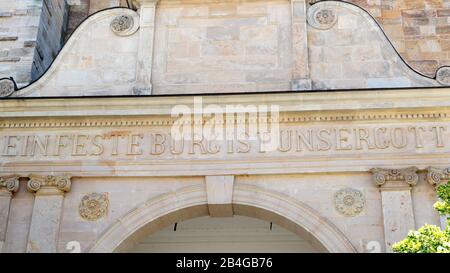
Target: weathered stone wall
x=80, y=9
x=354, y=53
x=239, y=46
x=419, y=29
x=19, y=22
x=30, y=37
x=52, y=26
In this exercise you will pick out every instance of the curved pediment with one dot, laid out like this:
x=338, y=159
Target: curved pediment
x=172, y=47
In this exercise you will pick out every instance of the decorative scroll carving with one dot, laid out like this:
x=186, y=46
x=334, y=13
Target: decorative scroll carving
x=349, y=202
x=94, y=206
x=321, y=16
x=437, y=176
x=443, y=75
x=9, y=183
x=7, y=87
x=61, y=183
x=124, y=25
x=408, y=175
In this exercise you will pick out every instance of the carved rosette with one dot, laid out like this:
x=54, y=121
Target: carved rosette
x=437, y=176
x=9, y=184
x=443, y=75
x=60, y=183
x=125, y=24
x=322, y=16
x=94, y=206
x=408, y=175
x=7, y=87
x=349, y=202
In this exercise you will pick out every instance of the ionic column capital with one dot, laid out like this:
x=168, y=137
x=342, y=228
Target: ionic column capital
x=49, y=185
x=9, y=185
x=395, y=178
x=437, y=176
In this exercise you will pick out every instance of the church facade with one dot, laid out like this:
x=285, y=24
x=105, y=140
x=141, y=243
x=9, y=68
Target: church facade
x=171, y=125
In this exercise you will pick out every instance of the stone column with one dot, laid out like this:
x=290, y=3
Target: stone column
x=219, y=190
x=300, y=70
x=48, y=204
x=398, y=215
x=8, y=186
x=437, y=177
x=147, y=10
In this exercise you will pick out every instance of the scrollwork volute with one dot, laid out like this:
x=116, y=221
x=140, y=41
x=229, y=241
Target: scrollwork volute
x=322, y=16
x=61, y=184
x=408, y=175
x=436, y=176
x=9, y=184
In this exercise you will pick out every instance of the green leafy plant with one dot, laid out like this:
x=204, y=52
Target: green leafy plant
x=443, y=206
x=430, y=238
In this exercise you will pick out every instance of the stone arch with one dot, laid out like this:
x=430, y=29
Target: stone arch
x=248, y=200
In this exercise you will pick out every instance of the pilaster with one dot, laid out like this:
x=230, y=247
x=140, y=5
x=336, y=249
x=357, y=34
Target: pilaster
x=147, y=11
x=437, y=177
x=398, y=215
x=8, y=186
x=48, y=204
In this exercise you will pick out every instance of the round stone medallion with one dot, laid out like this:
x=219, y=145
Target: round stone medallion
x=322, y=16
x=443, y=75
x=349, y=202
x=94, y=206
x=125, y=24
x=7, y=87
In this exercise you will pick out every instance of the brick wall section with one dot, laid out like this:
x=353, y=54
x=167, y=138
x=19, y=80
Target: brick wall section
x=419, y=29
x=19, y=23
x=80, y=9
x=52, y=28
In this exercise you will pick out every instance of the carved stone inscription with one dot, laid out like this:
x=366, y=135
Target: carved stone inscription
x=313, y=140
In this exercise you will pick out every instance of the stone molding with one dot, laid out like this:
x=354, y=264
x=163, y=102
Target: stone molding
x=383, y=178
x=162, y=121
x=9, y=184
x=49, y=185
x=437, y=176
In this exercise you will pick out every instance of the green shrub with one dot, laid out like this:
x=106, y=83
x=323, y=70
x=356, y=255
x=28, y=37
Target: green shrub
x=429, y=238
x=443, y=206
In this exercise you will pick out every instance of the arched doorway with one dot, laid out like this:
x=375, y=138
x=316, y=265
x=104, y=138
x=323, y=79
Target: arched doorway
x=248, y=200
x=237, y=234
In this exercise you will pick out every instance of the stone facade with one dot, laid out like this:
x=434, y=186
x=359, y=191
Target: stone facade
x=418, y=29
x=346, y=171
